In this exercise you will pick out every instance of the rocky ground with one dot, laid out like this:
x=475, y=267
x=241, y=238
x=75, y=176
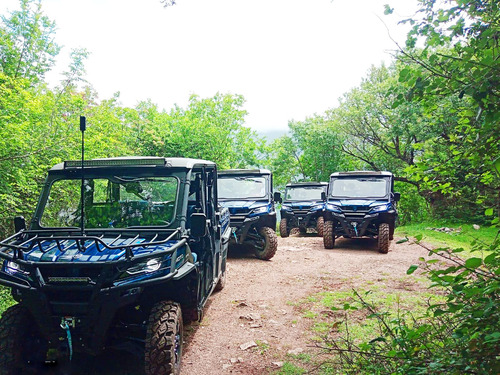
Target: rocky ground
x=253, y=324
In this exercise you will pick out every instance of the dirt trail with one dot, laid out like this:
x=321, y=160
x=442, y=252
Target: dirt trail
x=255, y=306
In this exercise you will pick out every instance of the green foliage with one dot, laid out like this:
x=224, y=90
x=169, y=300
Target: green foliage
x=39, y=126
x=290, y=369
x=412, y=208
x=459, y=61
x=380, y=136
x=282, y=160
x=311, y=152
x=209, y=129
x=27, y=48
x=6, y=299
x=455, y=336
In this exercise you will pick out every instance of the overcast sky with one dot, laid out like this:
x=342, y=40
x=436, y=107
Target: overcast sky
x=288, y=58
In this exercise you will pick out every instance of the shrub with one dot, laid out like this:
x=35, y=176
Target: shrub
x=460, y=335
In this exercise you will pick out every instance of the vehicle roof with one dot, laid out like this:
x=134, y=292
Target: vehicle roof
x=310, y=183
x=132, y=161
x=361, y=173
x=244, y=171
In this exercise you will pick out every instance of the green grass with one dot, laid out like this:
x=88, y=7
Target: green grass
x=328, y=311
x=463, y=239
x=290, y=369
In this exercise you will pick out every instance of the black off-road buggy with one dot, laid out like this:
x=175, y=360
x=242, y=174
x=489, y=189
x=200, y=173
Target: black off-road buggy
x=248, y=194
x=302, y=207
x=117, y=255
x=360, y=204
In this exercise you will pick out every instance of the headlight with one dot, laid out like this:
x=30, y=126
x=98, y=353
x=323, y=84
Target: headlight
x=286, y=208
x=382, y=207
x=260, y=210
x=13, y=268
x=332, y=207
x=17, y=270
x=149, y=266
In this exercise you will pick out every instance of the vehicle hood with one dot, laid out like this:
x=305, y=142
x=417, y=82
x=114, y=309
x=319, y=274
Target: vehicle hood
x=69, y=251
x=356, y=202
x=239, y=204
x=302, y=204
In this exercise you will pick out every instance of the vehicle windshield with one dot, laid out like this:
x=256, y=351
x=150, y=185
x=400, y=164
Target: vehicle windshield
x=359, y=187
x=242, y=187
x=114, y=202
x=303, y=193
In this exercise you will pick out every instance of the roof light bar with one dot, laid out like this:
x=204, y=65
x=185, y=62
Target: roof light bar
x=114, y=163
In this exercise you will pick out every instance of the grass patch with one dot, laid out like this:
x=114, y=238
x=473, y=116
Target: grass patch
x=338, y=314
x=456, y=239
x=331, y=309
x=290, y=369
x=310, y=315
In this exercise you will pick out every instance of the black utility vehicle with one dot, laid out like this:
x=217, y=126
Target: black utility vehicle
x=248, y=194
x=360, y=204
x=302, y=207
x=149, y=249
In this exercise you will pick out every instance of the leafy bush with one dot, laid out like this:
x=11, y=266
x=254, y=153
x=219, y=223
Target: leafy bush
x=412, y=208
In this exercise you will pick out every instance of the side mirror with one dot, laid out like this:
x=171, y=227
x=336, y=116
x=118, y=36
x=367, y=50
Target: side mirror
x=397, y=196
x=198, y=224
x=19, y=223
x=277, y=196
x=323, y=196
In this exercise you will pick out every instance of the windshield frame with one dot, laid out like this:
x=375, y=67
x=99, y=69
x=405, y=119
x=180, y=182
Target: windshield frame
x=267, y=188
x=106, y=175
x=386, y=195
x=320, y=188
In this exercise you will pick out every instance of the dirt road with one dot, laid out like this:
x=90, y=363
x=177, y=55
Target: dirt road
x=257, y=306
x=252, y=325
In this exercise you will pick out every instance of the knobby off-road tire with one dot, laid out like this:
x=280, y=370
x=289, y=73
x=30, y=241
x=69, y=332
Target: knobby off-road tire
x=328, y=234
x=163, y=349
x=319, y=226
x=391, y=232
x=284, y=229
x=222, y=281
x=383, y=238
x=22, y=350
x=270, y=244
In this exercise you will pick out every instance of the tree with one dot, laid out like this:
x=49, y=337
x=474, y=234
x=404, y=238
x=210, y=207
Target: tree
x=311, y=152
x=376, y=133
x=27, y=48
x=459, y=61
x=210, y=128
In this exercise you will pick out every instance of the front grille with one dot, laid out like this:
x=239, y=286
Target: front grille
x=355, y=212
x=237, y=220
x=68, y=296
x=300, y=212
x=74, y=302
x=238, y=210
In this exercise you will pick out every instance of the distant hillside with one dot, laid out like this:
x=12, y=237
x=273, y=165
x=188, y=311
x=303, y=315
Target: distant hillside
x=271, y=135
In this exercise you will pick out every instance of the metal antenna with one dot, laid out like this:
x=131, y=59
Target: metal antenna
x=83, y=126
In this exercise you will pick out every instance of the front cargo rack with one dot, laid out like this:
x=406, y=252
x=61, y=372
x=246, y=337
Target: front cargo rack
x=25, y=241
x=146, y=243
